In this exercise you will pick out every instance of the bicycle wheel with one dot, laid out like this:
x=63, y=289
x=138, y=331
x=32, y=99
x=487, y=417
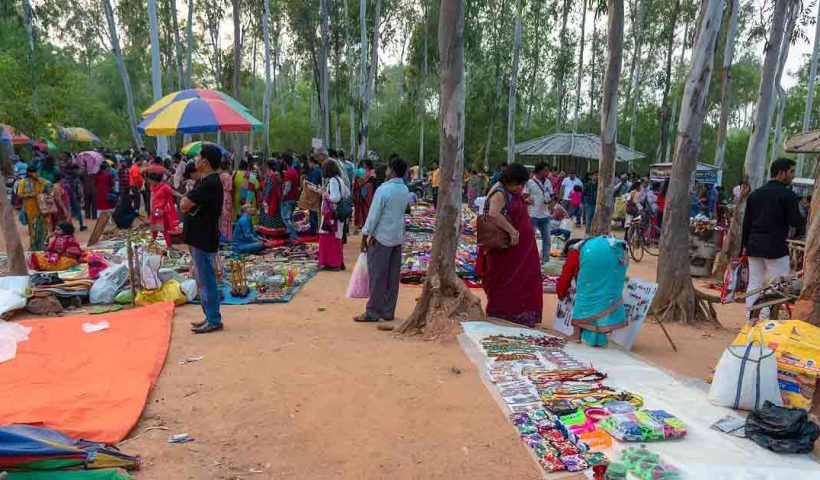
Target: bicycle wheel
x=775, y=311
x=634, y=239
x=652, y=242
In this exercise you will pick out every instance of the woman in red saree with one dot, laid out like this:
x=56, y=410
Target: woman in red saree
x=270, y=218
x=104, y=185
x=363, y=191
x=164, y=216
x=62, y=252
x=62, y=198
x=511, y=277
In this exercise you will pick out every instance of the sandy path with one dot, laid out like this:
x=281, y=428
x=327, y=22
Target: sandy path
x=288, y=391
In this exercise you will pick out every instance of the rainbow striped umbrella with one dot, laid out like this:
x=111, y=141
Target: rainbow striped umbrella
x=199, y=115
x=194, y=148
x=9, y=134
x=77, y=134
x=193, y=93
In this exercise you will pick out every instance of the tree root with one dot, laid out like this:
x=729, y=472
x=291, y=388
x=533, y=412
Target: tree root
x=681, y=309
x=440, y=309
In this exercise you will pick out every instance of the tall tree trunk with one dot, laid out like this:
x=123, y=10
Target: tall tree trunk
x=491, y=126
x=781, y=92
x=725, y=82
x=673, y=118
x=580, y=69
x=11, y=237
x=535, y=66
x=593, y=74
x=637, y=71
x=190, y=50
x=252, y=103
x=156, y=69
x=755, y=163
x=351, y=94
x=445, y=298
x=28, y=24
x=602, y=221
x=126, y=81
x=177, y=45
x=371, y=80
x=667, y=84
x=266, y=98
x=324, y=100
x=362, y=154
x=676, y=299
x=237, y=69
x=511, y=105
x=560, y=80
x=423, y=91
x=808, y=306
x=810, y=93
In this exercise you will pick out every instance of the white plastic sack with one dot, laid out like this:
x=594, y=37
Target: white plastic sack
x=111, y=280
x=189, y=288
x=745, y=377
x=13, y=293
x=10, y=335
x=166, y=274
x=149, y=266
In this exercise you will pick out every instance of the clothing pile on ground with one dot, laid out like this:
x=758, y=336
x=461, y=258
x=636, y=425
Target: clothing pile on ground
x=564, y=410
x=418, y=243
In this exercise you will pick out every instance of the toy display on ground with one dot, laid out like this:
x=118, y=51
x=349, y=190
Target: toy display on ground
x=605, y=401
x=563, y=408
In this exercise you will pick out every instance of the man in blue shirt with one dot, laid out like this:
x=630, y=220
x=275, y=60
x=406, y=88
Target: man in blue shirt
x=382, y=236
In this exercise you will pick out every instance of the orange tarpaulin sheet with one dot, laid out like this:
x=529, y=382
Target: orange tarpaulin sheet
x=87, y=385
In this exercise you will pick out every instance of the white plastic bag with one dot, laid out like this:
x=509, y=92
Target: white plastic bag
x=111, y=281
x=149, y=266
x=189, y=288
x=8, y=349
x=746, y=377
x=359, y=286
x=13, y=293
x=563, y=314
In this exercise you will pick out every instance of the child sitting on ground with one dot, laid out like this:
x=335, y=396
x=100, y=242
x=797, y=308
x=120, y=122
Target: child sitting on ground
x=244, y=238
x=62, y=252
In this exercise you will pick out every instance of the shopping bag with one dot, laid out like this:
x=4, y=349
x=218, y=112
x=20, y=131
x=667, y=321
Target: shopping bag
x=746, y=377
x=46, y=203
x=359, y=286
x=735, y=279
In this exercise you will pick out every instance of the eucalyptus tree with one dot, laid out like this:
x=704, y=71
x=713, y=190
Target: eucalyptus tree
x=676, y=299
x=602, y=221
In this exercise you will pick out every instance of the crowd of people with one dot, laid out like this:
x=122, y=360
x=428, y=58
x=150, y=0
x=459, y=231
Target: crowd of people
x=243, y=206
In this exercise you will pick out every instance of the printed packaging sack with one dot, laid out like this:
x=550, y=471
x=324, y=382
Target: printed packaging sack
x=746, y=377
x=359, y=286
x=735, y=279
x=112, y=280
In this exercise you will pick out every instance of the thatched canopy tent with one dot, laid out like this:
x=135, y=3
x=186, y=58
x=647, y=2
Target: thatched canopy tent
x=573, y=150
x=808, y=142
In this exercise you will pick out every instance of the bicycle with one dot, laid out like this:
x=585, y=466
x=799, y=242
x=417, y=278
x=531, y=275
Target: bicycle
x=642, y=236
x=778, y=297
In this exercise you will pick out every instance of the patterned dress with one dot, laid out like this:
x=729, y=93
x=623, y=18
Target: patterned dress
x=38, y=224
x=272, y=197
x=226, y=218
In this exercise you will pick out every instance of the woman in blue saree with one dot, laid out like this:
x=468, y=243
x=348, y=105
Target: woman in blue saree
x=598, y=266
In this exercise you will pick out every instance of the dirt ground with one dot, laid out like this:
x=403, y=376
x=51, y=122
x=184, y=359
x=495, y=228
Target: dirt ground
x=300, y=391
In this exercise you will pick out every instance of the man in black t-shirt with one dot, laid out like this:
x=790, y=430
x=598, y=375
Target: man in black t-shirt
x=202, y=207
